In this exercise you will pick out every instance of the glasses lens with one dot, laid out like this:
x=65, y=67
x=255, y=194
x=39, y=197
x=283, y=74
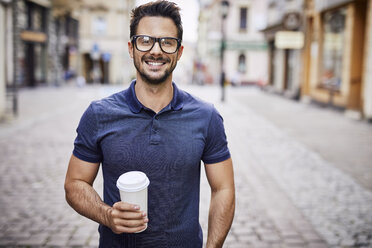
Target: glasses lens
x=169, y=45
x=144, y=43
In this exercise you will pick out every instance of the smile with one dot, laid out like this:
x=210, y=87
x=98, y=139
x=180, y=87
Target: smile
x=154, y=63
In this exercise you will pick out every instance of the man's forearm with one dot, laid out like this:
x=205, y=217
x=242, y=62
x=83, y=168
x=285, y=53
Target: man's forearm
x=85, y=200
x=221, y=214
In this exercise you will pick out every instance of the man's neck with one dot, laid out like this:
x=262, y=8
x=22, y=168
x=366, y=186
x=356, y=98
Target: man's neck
x=154, y=97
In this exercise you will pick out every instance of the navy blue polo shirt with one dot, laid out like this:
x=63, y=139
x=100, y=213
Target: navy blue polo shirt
x=123, y=135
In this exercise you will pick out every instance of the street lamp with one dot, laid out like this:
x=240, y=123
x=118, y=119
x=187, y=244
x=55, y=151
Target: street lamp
x=224, y=11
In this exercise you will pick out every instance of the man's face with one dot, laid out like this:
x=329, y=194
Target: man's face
x=155, y=66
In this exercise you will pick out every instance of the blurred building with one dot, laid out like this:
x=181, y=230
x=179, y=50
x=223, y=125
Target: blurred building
x=245, y=56
x=5, y=21
x=64, y=40
x=43, y=37
x=321, y=50
x=36, y=43
x=51, y=42
x=104, y=34
x=338, y=53
x=285, y=22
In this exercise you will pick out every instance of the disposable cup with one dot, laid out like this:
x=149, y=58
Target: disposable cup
x=133, y=189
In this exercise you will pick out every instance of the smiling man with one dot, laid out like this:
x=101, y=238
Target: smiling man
x=156, y=128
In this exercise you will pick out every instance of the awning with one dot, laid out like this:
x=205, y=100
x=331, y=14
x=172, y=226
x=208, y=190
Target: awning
x=44, y=3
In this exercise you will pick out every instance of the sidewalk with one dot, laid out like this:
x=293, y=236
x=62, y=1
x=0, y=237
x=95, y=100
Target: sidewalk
x=289, y=194
x=268, y=131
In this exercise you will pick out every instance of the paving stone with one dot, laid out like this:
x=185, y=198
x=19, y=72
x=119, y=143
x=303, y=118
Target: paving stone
x=318, y=245
x=35, y=240
x=311, y=236
x=294, y=241
x=348, y=242
x=58, y=240
x=248, y=238
x=78, y=242
x=271, y=238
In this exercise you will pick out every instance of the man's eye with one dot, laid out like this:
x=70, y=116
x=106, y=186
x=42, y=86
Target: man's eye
x=167, y=42
x=145, y=41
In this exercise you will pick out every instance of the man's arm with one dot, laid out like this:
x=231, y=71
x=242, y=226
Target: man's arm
x=222, y=207
x=80, y=194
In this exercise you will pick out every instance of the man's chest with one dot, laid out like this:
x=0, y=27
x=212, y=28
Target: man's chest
x=153, y=144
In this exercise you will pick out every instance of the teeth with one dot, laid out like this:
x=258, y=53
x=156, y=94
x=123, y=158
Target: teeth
x=154, y=63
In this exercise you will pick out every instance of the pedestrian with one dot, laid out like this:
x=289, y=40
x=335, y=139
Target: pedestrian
x=153, y=127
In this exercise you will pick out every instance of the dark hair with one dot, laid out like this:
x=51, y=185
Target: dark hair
x=160, y=8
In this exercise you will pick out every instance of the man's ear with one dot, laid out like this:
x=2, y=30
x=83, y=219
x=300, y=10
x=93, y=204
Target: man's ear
x=130, y=49
x=179, y=53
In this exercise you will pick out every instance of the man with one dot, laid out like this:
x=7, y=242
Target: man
x=158, y=129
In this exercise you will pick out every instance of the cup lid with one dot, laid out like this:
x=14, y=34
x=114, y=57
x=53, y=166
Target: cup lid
x=132, y=181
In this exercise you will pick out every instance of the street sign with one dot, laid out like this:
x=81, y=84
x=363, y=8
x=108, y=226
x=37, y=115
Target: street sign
x=289, y=40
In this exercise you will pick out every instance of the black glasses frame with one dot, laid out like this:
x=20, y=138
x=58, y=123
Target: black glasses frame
x=134, y=41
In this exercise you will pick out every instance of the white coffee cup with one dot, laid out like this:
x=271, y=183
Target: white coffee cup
x=133, y=189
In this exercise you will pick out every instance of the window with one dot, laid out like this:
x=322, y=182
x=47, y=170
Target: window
x=242, y=66
x=243, y=19
x=333, y=44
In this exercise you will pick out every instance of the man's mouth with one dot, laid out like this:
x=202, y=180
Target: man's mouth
x=152, y=63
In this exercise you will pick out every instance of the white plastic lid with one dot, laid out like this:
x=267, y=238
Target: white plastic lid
x=132, y=181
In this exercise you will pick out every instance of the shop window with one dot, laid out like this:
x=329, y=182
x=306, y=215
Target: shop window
x=243, y=19
x=242, y=65
x=332, y=48
x=36, y=17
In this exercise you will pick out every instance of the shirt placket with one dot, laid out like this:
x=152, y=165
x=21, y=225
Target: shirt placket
x=155, y=137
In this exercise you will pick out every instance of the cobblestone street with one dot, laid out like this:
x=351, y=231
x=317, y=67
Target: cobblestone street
x=291, y=190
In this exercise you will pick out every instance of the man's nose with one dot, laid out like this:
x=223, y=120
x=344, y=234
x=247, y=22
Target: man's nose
x=156, y=49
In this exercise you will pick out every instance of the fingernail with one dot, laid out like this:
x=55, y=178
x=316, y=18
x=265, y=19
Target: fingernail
x=144, y=214
x=136, y=207
x=146, y=220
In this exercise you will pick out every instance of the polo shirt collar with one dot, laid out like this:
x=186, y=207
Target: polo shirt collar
x=136, y=106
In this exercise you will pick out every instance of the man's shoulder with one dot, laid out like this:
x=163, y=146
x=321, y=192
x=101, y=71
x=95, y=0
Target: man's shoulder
x=193, y=101
x=116, y=100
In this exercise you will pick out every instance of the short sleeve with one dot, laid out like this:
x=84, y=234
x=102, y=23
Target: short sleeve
x=216, y=149
x=86, y=145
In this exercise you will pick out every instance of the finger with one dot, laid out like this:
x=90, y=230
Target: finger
x=124, y=206
x=132, y=215
x=130, y=223
x=128, y=215
x=123, y=229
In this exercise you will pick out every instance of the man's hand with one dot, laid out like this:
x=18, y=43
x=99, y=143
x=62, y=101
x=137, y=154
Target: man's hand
x=126, y=218
x=121, y=217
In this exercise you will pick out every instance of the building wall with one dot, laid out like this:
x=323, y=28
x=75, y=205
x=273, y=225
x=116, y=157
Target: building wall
x=285, y=63
x=279, y=70
x=107, y=25
x=249, y=43
x=367, y=79
x=2, y=62
x=349, y=93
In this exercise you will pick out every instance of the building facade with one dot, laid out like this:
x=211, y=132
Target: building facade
x=245, y=55
x=338, y=55
x=320, y=50
x=3, y=44
x=104, y=34
x=284, y=22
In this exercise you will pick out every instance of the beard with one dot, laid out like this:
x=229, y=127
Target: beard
x=154, y=80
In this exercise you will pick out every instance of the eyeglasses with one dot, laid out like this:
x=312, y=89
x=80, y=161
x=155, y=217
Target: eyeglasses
x=145, y=43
